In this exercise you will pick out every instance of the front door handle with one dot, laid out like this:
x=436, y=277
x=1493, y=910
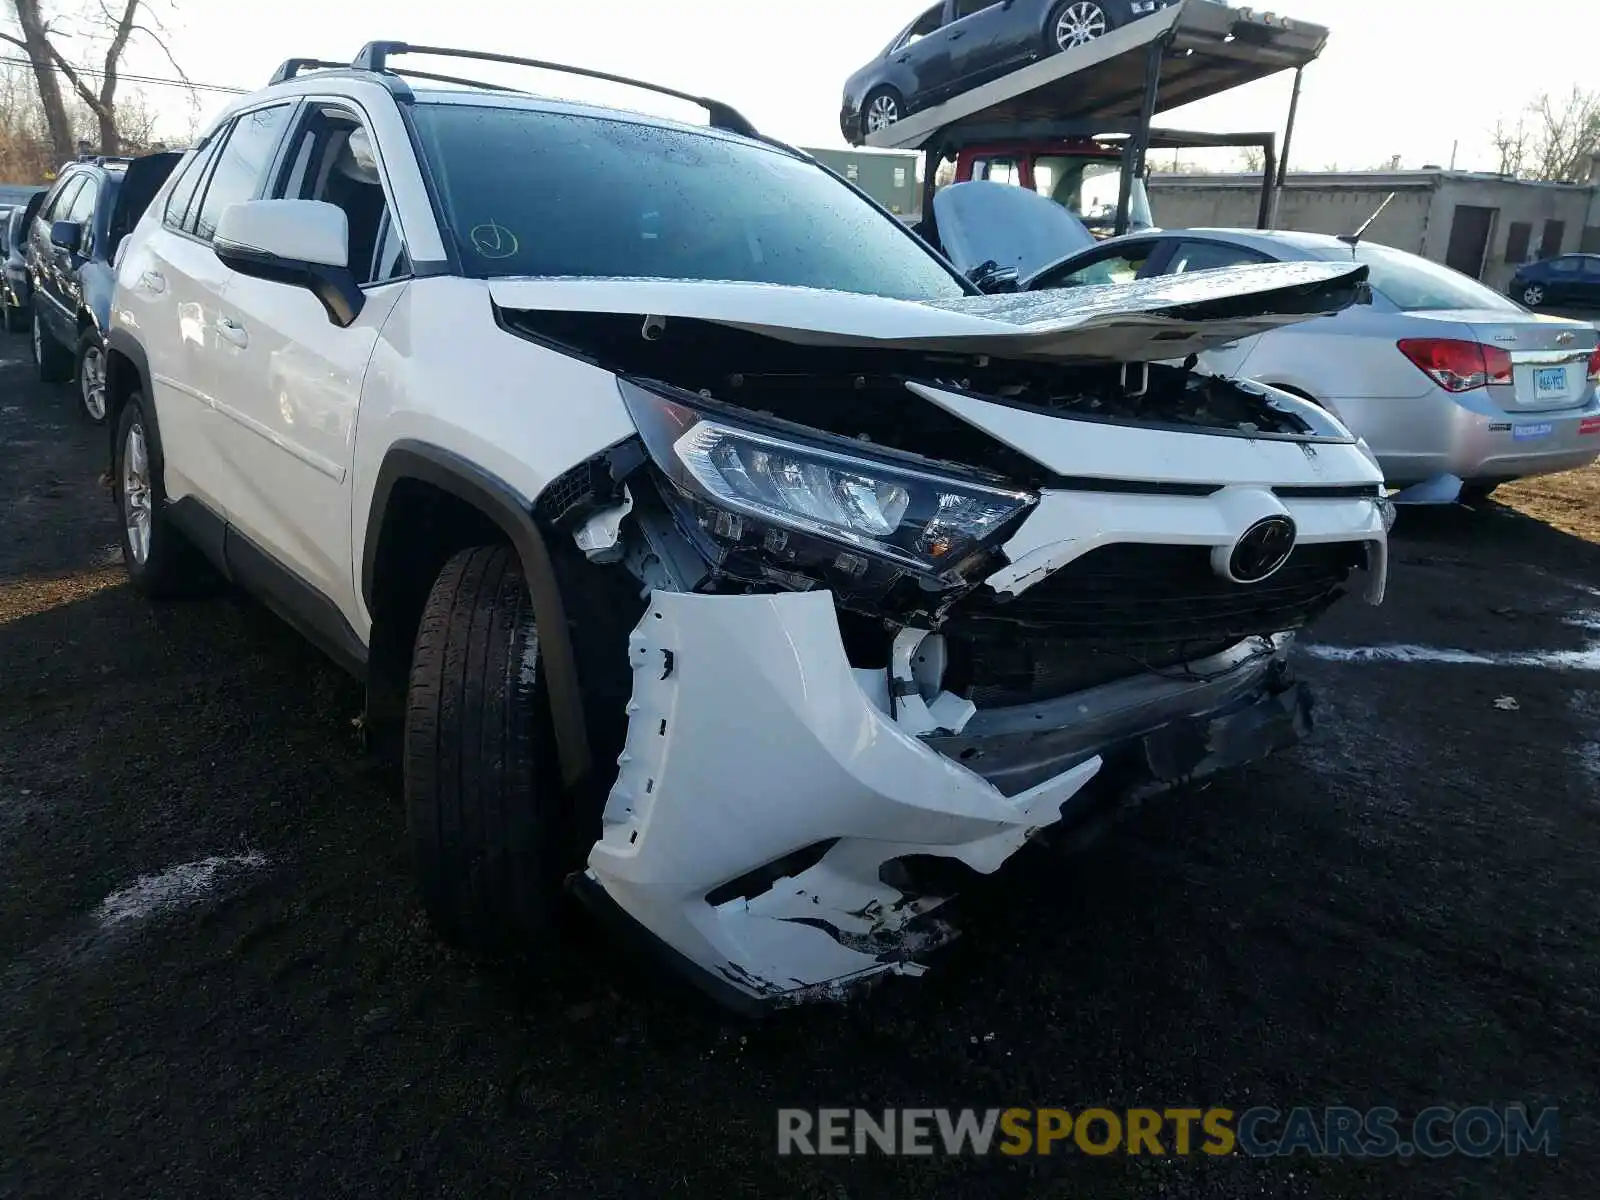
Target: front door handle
x=956, y=34
x=233, y=332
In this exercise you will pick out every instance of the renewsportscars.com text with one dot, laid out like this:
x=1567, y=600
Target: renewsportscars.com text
x=1479, y=1131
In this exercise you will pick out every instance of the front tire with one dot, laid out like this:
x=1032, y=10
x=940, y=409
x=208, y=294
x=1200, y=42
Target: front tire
x=50, y=358
x=487, y=816
x=160, y=561
x=16, y=318
x=91, y=375
x=881, y=109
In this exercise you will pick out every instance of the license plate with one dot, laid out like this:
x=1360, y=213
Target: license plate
x=1526, y=433
x=1548, y=382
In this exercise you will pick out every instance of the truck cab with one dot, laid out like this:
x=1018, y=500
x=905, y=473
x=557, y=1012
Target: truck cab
x=1083, y=175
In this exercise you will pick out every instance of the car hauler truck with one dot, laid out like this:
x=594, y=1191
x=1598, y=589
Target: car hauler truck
x=1076, y=125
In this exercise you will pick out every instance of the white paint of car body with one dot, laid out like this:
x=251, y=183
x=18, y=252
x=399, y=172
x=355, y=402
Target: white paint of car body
x=755, y=739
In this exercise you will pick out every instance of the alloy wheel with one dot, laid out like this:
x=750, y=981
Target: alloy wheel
x=1533, y=296
x=92, y=383
x=136, y=493
x=883, y=112
x=1080, y=22
x=38, y=341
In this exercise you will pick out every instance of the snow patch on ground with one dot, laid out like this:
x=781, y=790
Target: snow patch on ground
x=1585, y=659
x=151, y=895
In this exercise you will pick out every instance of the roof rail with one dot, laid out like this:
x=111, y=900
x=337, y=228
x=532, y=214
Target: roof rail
x=291, y=67
x=374, y=56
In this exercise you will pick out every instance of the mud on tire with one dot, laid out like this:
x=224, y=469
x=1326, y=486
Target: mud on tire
x=484, y=802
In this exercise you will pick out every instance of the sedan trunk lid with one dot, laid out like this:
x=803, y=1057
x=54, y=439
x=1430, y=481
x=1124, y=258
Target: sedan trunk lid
x=1549, y=355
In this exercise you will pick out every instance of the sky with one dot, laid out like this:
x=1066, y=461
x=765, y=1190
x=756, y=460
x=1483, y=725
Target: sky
x=1420, y=79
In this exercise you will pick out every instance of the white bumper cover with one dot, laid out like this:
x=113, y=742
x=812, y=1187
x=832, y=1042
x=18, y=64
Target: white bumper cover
x=750, y=738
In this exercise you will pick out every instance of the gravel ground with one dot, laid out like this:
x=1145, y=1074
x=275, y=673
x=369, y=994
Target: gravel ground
x=1401, y=912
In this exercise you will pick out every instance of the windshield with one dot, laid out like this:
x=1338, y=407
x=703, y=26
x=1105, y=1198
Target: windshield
x=1087, y=186
x=1414, y=284
x=535, y=193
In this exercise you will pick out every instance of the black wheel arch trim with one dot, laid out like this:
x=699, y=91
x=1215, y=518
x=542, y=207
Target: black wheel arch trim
x=512, y=512
x=120, y=346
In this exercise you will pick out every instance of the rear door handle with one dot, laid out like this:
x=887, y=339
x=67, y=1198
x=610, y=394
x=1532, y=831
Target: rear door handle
x=233, y=332
x=153, y=281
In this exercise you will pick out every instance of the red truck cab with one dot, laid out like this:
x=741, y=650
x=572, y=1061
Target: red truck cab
x=1081, y=174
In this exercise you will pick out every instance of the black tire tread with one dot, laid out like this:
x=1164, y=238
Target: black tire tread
x=482, y=784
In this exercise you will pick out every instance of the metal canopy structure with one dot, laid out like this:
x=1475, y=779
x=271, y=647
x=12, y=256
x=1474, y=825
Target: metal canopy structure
x=1111, y=87
x=1205, y=48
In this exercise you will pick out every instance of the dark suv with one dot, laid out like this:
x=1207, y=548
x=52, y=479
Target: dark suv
x=72, y=243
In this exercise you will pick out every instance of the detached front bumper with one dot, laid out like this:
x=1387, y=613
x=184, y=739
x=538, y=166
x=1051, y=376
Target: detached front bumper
x=767, y=796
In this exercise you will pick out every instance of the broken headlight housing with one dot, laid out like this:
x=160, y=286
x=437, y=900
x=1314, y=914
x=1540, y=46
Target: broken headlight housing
x=812, y=499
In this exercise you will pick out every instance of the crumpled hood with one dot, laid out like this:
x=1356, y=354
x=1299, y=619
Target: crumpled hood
x=1148, y=320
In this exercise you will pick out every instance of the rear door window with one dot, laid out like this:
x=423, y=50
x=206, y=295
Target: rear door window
x=1208, y=256
x=242, y=167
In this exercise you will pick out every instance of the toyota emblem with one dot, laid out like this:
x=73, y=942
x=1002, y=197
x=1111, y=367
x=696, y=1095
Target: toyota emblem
x=1261, y=550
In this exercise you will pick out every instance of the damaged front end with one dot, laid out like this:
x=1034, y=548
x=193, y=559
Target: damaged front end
x=903, y=602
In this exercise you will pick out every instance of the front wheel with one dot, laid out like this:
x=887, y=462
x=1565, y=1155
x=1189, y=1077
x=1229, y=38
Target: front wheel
x=1076, y=23
x=487, y=815
x=1533, y=295
x=882, y=109
x=16, y=318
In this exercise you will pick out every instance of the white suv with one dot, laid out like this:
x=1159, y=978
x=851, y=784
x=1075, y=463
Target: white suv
x=706, y=543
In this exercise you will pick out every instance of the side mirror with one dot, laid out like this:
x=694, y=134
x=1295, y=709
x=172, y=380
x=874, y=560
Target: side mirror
x=992, y=279
x=301, y=243
x=66, y=235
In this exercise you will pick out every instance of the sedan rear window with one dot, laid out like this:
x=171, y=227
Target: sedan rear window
x=1414, y=284
x=535, y=193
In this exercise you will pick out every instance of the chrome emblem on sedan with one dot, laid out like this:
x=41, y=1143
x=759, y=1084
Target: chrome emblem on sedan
x=1261, y=550
x=1563, y=339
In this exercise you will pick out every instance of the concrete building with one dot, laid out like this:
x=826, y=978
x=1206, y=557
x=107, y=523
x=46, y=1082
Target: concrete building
x=1485, y=225
x=888, y=176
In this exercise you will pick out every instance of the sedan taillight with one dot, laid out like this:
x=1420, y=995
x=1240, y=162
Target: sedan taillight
x=1456, y=365
x=1594, y=366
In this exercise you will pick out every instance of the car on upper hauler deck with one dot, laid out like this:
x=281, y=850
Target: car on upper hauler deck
x=708, y=545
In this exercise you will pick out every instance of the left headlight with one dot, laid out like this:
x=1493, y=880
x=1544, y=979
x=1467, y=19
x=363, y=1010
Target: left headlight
x=924, y=520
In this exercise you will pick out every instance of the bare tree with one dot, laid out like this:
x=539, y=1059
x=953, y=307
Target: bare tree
x=1553, y=139
x=1252, y=159
x=39, y=35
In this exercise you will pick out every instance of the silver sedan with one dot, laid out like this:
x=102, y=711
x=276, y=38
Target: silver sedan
x=1454, y=387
